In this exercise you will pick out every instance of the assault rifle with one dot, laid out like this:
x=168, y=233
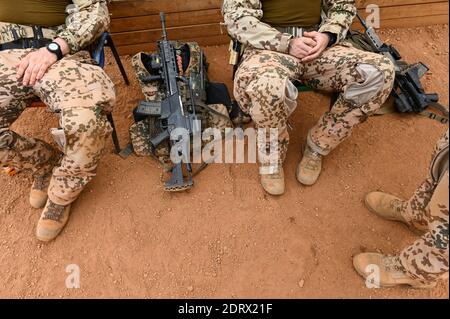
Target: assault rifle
x=175, y=118
x=408, y=92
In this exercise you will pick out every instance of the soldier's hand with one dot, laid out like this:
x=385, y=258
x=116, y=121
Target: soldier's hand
x=322, y=41
x=34, y=65
x=301, y=47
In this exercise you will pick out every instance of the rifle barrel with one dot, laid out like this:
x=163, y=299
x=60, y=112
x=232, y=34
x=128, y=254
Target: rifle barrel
x=363, y=22
x=162, y=16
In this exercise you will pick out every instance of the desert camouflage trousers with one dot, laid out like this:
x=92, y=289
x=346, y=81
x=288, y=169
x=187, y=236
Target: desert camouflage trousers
x=427, y=258
x=264, y=89
x=82, y=94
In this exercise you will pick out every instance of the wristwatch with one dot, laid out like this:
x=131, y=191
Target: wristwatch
x=54, y=48
x=333, y=38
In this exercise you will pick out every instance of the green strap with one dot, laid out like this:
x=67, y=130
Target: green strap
x=434, y=116
x=441, y=108
x=386, y=109
x=444, y=118
x=211, y=110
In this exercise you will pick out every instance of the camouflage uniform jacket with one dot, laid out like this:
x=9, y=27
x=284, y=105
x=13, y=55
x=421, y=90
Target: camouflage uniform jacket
x=86, y=21
x=242, y=18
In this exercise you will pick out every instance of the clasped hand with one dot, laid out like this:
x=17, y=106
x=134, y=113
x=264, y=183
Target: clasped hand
x=310, y=46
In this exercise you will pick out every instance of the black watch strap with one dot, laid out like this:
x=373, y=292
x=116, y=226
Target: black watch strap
x=55, y=48
x=333, y=38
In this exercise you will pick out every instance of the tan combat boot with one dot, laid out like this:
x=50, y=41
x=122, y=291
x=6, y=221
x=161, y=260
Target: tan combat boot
x=53, y=219
x=274, y=183
x=38, y=193
x=391, y=271
x=309, y=168
x=386, y=206
x=389, y=207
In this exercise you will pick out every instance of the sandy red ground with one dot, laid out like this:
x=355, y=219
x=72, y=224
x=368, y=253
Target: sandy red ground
x=226, y=237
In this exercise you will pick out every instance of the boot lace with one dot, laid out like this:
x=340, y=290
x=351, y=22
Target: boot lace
x=393, y=264
x=396, y=205
x=54, y=212
x=312, y=160
x=41, y=182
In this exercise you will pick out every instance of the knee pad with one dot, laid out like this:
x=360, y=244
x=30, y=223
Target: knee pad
x=291, y=95
x=373, y=82
x=6, y=139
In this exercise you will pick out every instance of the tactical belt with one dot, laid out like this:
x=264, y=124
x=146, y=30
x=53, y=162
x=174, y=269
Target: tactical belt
x=297, y=31
x=25, y=44
x=294, y=31
x=27, y=37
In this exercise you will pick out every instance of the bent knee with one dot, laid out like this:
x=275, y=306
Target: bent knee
x=85, y=126
x=273, y=99
x=377, y=78
x=79, y=85
x=272, y=90
x=387, y=67
x=266, y=84
x=105, y=98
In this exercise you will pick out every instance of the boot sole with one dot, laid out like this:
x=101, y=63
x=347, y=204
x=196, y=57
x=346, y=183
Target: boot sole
x=47, y=240
x=274, y=194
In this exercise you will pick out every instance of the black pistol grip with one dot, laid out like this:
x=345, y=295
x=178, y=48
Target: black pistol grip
x=160, y=138
x=397, y=56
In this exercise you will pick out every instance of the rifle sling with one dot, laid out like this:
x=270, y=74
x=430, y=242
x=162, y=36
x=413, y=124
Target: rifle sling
x=440, y=107
x=386, y=109
x=444, y=118
x=209, y=109
x=434, y=116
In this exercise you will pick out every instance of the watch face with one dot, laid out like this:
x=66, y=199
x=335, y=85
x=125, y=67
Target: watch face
x=53, y=46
